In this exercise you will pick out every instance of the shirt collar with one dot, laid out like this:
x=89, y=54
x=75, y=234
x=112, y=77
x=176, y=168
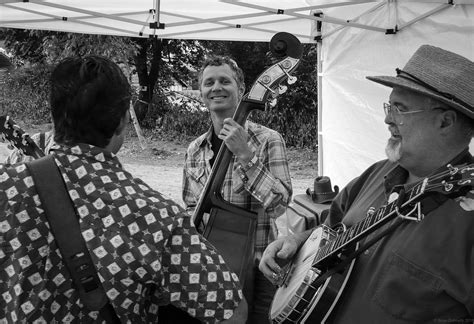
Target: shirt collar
x=206, y=138
x=88, y=151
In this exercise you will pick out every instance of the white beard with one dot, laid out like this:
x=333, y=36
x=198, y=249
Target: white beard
x=392, y=150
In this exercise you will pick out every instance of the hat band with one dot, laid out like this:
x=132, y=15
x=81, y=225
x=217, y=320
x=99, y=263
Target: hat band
x=411, y=77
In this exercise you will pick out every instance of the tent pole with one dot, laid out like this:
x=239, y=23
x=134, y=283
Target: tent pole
x=157, y=11
x=319, y=45
x=138, y=130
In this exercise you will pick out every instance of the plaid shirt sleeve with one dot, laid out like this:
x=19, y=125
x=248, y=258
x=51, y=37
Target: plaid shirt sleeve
x=269, y=179
x=188, y=194
x=188, y=197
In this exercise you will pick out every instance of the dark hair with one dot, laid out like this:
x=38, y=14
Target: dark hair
x=89, y=97
x=221, y=60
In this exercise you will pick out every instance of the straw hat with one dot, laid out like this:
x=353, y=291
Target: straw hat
x=437, y=73
x=322, y=190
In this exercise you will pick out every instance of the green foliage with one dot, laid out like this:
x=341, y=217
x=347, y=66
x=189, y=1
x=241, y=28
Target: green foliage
x=250, y=56
x=25, y=94
x=38, y=46
x=181, y=123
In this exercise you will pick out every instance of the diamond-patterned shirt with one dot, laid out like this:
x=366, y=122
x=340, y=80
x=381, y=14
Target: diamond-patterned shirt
x=144, y=248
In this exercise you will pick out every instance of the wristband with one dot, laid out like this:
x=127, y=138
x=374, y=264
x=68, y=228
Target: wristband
x=250, y=164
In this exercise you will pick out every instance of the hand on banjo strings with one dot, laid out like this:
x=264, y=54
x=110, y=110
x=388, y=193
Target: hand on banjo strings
x=276, y=259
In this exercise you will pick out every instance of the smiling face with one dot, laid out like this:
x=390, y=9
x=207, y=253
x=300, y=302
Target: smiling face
x=220, y=91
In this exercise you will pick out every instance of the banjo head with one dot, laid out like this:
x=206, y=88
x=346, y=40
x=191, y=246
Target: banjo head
x=301, y=273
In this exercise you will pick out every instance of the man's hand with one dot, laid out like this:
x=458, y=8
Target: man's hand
x=235, y=137
x=278, y=254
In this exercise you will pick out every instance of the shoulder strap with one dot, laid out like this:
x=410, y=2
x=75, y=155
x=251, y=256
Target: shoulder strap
x=64, y=224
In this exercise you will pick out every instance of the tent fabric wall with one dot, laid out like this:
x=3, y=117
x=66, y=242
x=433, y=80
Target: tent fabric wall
x=353, y=134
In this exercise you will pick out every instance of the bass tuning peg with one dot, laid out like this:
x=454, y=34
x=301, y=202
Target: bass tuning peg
x=272, y=103
x=282, y=89
x=292, y=79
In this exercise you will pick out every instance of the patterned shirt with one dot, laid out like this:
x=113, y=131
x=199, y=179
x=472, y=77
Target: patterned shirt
x=146, y=251
x=267, y=184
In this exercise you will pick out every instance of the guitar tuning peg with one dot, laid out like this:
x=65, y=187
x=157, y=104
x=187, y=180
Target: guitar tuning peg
x=282, y=89
x=292, y=79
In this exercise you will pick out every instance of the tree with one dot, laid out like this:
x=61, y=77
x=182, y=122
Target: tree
x=48, y=47
x=159, y=63
x=162, y=61
x=156, y=61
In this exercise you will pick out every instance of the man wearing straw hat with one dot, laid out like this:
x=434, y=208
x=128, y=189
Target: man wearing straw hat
x=420, y=271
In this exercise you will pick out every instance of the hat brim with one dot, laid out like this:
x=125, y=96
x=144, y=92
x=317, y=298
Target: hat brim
x=321, y=199
x=391, y=81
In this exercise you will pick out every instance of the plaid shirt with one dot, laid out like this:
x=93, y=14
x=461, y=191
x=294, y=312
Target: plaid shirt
x=267, y=184
x=145, y=248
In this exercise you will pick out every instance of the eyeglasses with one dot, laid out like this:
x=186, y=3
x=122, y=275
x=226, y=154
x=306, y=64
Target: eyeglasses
x=393, y=112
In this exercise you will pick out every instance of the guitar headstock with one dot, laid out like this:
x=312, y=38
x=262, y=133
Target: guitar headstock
x=287, y=51
x=454, y=182
x=17, y=138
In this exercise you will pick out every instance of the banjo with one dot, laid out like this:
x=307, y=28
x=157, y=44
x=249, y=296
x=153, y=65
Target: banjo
x=315, y=280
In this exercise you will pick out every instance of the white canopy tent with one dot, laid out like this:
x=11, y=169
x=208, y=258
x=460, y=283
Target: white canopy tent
x=355, y=38
x=352, y=134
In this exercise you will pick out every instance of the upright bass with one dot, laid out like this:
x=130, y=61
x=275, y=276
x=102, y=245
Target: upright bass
x=231, y=229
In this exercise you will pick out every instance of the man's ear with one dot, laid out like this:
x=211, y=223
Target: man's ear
x=124, y=121
x=241, y=91
x=447, y=119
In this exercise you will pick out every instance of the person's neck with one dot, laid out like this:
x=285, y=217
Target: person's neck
x=218, y=121
x=426, y=168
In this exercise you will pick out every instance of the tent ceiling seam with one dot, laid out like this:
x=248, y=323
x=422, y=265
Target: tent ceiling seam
x=88, y=12
x=373, y=9
x=425, y=15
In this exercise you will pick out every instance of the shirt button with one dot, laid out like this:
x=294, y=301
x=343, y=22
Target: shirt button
x=366, y=252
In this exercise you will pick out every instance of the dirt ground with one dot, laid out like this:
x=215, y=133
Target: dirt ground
x=160, y=163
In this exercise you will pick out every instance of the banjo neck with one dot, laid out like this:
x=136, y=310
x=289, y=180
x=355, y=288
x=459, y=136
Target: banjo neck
x=373, y=221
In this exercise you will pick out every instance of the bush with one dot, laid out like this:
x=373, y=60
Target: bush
x=185, y=120
x=25, y=97
x=25, y=94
